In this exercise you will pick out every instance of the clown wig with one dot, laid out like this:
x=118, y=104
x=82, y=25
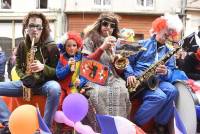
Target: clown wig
x=76, y=37
x=170, y=23
x=67, y=36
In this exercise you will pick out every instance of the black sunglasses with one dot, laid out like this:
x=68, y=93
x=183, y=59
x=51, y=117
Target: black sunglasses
x=106, y=23
x=37, y=26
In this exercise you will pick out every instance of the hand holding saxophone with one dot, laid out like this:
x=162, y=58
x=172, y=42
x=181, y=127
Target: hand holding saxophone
x=161, y=70
x=108, y=43
x=36, y=66
x=131, y=81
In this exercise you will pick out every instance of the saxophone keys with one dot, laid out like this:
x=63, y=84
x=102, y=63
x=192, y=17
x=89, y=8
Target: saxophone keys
x=131, y=89
x=27, y=93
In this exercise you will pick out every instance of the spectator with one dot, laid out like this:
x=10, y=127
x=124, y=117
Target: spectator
x=2, y=64
x=11, y=62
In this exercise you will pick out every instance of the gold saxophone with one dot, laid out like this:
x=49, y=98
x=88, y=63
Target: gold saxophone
x=148, y=79
x=122, y=61
x=27, y=92
x=121, y=57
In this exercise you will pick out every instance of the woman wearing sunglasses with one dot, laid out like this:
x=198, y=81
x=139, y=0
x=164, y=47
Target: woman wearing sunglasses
x=111, y=98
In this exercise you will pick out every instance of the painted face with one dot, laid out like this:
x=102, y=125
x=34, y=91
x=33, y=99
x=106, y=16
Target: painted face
x=166, y=35
x=107, y=27
x=71, y=47
x=35, y=28
x=162, y=36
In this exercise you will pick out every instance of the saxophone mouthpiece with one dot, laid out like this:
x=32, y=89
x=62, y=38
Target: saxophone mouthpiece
x=107, y=32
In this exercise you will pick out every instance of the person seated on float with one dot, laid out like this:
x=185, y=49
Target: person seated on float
x=158, y=103
x=36, y=58
x=68, y=67
x=112, y=98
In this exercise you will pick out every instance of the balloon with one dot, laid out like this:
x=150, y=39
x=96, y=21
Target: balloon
x=83, y=129
x=23, y=120
x=14, y=74
x=75, y=107
x=61, y=118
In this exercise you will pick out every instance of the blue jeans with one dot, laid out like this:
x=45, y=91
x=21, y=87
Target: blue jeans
x=157, y=104
x=50, y=89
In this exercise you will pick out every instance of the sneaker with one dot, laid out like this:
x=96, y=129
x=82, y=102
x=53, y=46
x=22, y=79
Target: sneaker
x=5, y=130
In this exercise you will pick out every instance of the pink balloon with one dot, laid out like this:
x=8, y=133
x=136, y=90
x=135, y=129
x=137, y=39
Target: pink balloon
x=83, y=129
x=61, y=118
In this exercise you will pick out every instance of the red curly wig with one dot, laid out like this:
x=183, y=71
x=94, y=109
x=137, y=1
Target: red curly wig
x=76, y=37
x=159, y=24
x=171, y=24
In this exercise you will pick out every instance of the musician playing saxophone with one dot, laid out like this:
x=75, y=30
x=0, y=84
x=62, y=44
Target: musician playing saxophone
x=158, y=103
x=41, y=75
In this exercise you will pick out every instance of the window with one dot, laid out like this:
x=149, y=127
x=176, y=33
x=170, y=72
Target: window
x=97, y=2
x=102, y=2
x=41, y=4
x=6, y=4
x=106, y=2
x=145, y=3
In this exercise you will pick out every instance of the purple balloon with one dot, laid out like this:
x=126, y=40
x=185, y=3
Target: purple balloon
x=75, y=107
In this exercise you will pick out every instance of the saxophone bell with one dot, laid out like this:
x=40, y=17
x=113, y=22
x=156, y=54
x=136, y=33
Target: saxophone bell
x=123, y=51
x=121, y=62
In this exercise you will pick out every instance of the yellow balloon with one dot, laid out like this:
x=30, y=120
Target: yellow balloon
x=14, y=74
x=23, y=120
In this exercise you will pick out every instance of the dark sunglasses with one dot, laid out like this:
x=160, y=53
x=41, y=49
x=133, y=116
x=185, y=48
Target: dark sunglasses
x=106, y=23
x=37, y=26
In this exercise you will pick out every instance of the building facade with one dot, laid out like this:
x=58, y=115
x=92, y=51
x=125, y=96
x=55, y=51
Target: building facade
x=192, y=16
x=75, y=15
x=12, y=13
x=135, y=14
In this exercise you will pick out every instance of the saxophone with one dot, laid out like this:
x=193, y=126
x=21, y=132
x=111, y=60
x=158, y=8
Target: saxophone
x=148, y=78
x=122, y=52
x=27, y=93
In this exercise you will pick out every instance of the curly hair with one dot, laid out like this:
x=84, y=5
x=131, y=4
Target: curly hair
x=76, y=37
x=169, y=22
x=96, y=26
x=45, y=24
